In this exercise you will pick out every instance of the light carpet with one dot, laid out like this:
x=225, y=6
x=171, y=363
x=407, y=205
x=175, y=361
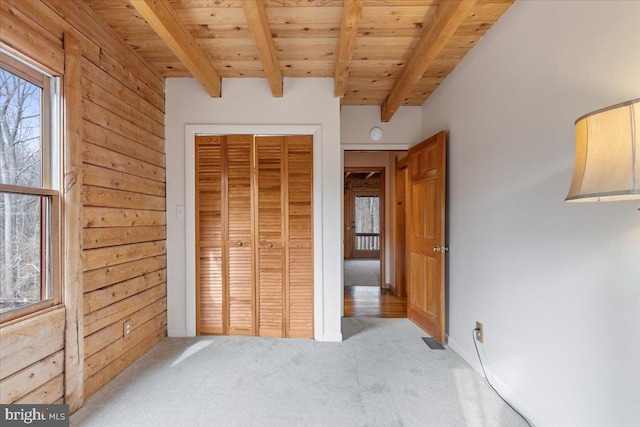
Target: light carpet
x=383, y=374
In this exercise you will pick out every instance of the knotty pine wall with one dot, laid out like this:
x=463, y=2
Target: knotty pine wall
x=121, y=209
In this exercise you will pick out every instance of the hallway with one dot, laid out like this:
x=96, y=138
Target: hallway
x=370, y=301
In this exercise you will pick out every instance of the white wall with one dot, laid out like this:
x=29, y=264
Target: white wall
x=247, y=104
x=356, y=122
x=556, y=285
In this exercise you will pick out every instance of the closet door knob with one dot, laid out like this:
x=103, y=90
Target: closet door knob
x=239, y=243
x=270, y=244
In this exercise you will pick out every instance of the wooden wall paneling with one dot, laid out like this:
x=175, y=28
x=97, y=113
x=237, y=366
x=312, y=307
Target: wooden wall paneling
x=93, y=238
x=106, y=119
x=113, y=217
x=119, y=212
x=121, y=108
x=125, y=147
x=96, y=176
x=121, y=310
x=111, y=333
x=87, y=22
x=105, y=356
x=113, y=255
x=26, y=37
x=25, y=346
x=210, y=312
x=94, y=383
x=100, y=156
x=299, y=231
x=73, y=184
x=270, y=229
x=103, y=297
x=52, y=392
x=132, y=97
x=239, y=227
x=25, y=381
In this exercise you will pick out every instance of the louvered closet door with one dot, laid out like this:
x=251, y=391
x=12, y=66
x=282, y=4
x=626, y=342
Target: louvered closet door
x=270, y=271
x=239, y=244
x=209, y=267
x=285, y=228
x=299, y=214
x=225, y=287
x=254, y=235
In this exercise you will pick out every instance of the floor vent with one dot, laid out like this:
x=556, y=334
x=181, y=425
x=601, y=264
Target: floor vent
x=432, y=343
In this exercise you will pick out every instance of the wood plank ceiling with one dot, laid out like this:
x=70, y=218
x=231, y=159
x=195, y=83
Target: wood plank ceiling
x=380, y=52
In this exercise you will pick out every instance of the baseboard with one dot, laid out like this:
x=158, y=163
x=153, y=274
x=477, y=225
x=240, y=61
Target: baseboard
x=330, y=338
x=534, y=417
x=176, y=333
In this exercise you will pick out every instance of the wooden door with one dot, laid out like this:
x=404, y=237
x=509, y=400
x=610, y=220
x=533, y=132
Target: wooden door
x=401, y=227
x=299, y=229
x=271, y=236
x=285, y=236
x=254, y=235
x=210, y=309
x=237, y=223
x=426, y=235
x=224, y=235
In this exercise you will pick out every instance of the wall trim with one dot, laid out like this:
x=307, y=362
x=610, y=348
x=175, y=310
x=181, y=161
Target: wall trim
x=191, y=130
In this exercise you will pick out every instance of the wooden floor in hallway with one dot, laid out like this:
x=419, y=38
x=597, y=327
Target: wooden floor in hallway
x=373, y=301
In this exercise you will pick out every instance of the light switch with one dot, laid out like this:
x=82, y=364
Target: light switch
x=180, y=212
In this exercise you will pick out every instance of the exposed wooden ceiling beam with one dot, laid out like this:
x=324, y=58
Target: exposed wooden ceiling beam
x=448, y=17
x=256, y=15
x=351, y=13
x=161, y=16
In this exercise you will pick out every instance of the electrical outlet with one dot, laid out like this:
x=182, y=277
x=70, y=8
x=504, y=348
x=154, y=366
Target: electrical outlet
x=479, y=332
x=127, y=329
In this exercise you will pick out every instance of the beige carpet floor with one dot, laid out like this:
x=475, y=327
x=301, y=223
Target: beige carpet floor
x=383, y=375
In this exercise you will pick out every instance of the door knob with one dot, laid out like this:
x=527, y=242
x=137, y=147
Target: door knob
x=437, y=249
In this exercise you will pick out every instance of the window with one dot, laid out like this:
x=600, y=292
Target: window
x=29, y=202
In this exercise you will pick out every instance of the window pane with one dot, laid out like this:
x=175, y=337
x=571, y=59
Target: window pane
x=21, y=246
x=367, y=214
x=21, y=130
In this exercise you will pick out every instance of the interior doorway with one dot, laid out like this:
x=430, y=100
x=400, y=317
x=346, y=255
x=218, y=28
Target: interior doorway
x=364, y=220
x=369, y=261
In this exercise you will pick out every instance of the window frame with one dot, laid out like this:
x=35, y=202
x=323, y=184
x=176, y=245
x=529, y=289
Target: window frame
x=48, y=192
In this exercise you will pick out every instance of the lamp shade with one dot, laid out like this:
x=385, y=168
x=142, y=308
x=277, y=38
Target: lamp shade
x=607, y=165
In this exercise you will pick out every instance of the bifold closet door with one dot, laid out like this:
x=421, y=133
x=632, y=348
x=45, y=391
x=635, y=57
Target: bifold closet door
x=224, y=235
x=285, y=233
x=300, y=236
x=254, y=219
x=271, y=272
